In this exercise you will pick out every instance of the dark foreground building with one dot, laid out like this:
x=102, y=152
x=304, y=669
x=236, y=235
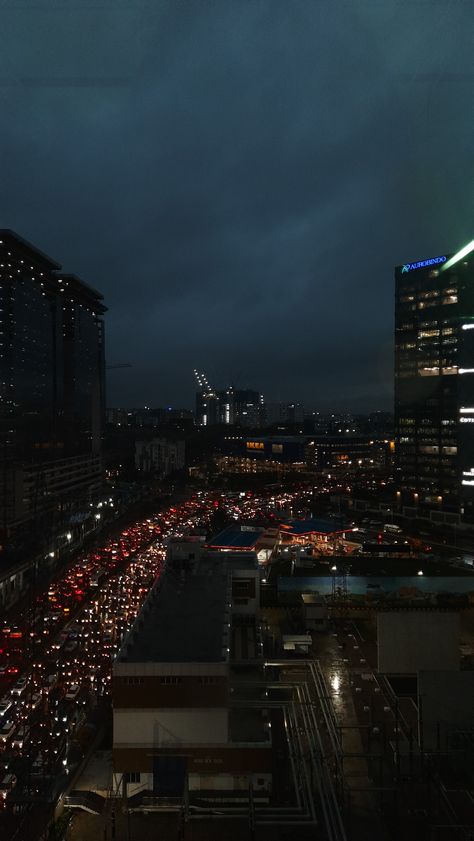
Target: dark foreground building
x=52, y=395
x=434, y=381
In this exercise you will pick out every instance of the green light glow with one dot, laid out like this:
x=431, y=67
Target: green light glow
x=458, y=256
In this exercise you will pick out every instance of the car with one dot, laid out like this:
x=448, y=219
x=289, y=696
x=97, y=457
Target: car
x=21, y=738
x=38, y=765
x=36, y=699
x=71, y=646
x=72, y=692
x=19, y=687
x=49, y=683
x=3, y=669
x=6, y=731
x=5, y=705
x=7, y=783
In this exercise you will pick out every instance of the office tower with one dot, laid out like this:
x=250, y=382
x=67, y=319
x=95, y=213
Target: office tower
x=434, y=381
x=52, y=383
x=243, y=407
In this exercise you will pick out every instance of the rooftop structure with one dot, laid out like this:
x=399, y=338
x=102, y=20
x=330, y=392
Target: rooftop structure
x=236, y=538
x=175, y=727
x=300, y=528
x=171, y=628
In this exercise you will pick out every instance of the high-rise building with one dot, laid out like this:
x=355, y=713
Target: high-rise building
x=52, y=390
x=434, y=381
x=244, y=407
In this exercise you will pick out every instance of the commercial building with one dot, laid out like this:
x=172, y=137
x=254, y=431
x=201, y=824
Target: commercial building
x=434, y=382
x=176, y=730
x=52, y=390
x=159, y=455
x=347, y=451
x=283, y=453
x=313, y=531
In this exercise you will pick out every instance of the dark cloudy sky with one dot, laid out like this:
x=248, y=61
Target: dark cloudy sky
x=239, y=177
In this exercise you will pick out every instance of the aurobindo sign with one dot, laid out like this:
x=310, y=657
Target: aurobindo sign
x=408, y=267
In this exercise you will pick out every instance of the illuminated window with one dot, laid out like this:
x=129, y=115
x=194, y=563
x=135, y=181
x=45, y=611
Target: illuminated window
x=451, y=299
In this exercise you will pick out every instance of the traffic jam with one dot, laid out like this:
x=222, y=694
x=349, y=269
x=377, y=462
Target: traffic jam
x=55, y=662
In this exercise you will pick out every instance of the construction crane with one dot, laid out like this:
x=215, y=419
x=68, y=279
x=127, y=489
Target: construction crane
x=208, y=404
x=198, y=378
x=203, y=383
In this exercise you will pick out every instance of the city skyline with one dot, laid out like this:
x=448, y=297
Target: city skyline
x=241, y=195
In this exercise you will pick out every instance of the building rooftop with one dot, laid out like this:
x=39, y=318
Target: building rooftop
x=13, y=239
x=184, y=620
x=229, y=560
x=83, y=290
x=312, y=526
x=235, y=538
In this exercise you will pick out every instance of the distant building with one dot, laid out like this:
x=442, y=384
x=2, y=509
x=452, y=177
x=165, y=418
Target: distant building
x=207, y=408
x=269, y=453
x=117, y=417
x=331, y=451
x=160, y=455
x=286, y=413
x=53, y=383
x=434, y=381
x=148, y=417
x=242, y=407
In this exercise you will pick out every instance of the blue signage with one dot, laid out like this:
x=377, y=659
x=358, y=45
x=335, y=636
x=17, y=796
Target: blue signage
x=408, y=267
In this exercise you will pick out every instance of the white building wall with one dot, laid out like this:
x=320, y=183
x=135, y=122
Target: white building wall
x=167, y=727
x=201, y=782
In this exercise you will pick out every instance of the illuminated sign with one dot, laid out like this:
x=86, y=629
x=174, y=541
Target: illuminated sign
x=255, y=445
x=408, y=267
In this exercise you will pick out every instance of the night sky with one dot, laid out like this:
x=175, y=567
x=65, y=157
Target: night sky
x=239, y=178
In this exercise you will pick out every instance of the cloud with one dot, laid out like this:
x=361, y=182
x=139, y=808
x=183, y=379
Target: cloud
x=239, y=179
